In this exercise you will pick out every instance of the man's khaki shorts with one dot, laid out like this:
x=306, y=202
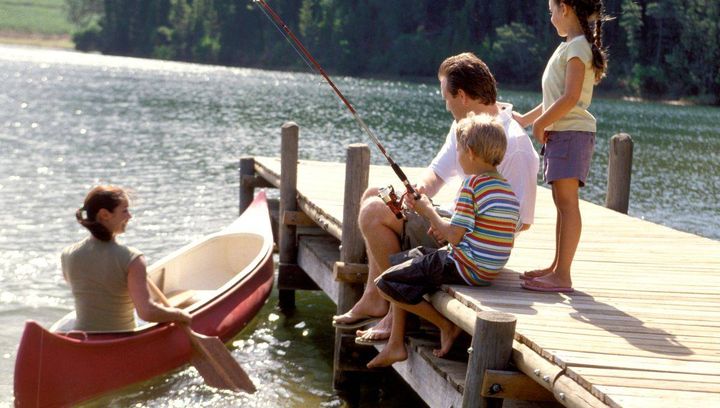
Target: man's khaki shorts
x=415, y=233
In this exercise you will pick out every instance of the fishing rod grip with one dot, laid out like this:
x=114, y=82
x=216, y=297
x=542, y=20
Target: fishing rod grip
x=403, y=177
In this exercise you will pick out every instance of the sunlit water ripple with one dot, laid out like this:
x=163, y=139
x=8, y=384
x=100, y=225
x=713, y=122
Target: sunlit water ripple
x=173, y=132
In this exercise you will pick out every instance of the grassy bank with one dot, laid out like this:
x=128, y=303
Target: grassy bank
x=35, y=22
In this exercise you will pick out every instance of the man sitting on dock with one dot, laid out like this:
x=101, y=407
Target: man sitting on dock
x=466, y=85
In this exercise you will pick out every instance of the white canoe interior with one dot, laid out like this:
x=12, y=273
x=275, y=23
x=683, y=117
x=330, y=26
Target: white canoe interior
x=197, y=273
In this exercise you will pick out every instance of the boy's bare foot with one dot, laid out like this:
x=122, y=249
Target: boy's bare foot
x=537, y=273
x=391, y=353
x=447, y=338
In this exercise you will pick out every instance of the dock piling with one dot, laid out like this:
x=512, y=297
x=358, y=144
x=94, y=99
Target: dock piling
x=491, y=349
x=247, y=188
x=357, y=172
x=288, y=202
x=619, y=171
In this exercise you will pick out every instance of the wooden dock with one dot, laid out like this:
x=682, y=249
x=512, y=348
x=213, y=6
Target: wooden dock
x=642, y=328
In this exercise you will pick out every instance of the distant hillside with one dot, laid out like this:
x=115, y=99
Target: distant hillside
x=35, y=22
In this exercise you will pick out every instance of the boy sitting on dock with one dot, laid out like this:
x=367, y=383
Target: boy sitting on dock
x=481, y=234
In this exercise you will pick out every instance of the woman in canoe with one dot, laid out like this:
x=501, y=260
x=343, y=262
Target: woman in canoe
x=109, y=280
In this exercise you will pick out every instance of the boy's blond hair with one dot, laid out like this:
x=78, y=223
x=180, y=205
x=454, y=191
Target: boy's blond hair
x=484, y=136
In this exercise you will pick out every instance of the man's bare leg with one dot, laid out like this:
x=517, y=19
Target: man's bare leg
x=381, y=231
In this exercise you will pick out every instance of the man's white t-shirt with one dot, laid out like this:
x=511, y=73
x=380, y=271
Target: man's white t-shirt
x=520, y=165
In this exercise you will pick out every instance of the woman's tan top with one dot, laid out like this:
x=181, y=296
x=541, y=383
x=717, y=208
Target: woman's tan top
x=97, y=273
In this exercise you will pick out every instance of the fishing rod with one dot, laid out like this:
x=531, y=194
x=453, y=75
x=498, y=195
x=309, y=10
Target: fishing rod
x=313, y=64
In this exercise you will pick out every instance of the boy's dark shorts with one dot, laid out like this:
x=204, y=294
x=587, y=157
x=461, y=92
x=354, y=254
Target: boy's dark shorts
x=422, y=271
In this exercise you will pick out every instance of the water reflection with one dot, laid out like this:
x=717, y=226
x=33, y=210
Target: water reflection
x=173, y=133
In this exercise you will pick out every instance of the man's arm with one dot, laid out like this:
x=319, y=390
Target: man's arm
x=430, y=183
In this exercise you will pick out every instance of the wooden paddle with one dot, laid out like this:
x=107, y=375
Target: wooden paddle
x=211, y=358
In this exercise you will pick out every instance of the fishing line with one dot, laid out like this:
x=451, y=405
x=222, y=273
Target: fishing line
x=300, y=49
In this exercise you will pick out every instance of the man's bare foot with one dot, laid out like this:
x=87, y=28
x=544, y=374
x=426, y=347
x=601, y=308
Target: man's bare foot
x=447, y=338
x=390, y=354
x=381, y=331
x=537, y=273
x=360, y=315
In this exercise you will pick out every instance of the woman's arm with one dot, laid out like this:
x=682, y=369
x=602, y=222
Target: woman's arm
x=146, y=308
x=574, y=77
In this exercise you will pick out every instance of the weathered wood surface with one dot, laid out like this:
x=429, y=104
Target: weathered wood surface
x=641, y=329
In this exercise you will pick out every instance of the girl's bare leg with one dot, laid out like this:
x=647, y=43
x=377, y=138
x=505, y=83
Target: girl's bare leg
x=567, y=201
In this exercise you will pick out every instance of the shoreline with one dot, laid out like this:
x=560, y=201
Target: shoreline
x=64, y=41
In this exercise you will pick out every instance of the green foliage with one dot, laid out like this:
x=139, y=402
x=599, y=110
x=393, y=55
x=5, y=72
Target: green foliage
x=88, y=38
x=515, y=54
x=657, y=47
x=34, y=16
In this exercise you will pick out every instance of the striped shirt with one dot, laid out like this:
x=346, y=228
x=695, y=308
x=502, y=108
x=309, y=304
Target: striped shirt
x=488, y=209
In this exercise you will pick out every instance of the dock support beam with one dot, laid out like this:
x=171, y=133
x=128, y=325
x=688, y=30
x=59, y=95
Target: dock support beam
x=247, y=188
x=357, y=171
x=619, y=170
x=491, y=350
x=288, y=202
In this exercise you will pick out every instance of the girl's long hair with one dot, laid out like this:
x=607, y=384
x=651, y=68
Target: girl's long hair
x=107, y=197
x=589, y=11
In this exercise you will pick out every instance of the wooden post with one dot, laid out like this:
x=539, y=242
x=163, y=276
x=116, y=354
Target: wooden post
x=357, y=170
x=491, y=350
x=247, y=189
x=619, y=171
x=288, y=202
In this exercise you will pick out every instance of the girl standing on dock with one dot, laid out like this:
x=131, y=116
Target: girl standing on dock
x=566, y=129
x=109, y=280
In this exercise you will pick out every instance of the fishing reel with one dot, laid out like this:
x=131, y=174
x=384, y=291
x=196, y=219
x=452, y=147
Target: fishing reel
x=390, y=198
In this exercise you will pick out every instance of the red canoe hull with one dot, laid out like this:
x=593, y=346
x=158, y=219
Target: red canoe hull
x=54, y=370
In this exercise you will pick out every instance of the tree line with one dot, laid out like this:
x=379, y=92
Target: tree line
x=658, y=48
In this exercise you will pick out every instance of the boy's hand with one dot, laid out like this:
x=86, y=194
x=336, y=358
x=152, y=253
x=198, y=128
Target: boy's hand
x=421, y=206
x=441, y=239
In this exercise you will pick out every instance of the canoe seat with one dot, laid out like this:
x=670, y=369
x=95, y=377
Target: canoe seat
x=185, y=298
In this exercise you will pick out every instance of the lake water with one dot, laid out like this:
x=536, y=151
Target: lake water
x=174, y=132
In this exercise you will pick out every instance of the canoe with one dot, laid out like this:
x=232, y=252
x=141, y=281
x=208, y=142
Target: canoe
x=222, y=280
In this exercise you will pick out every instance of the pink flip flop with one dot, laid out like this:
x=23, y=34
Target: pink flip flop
x=532, y=285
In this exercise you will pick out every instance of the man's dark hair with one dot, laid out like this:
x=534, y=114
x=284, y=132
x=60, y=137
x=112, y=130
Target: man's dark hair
x=468, y=72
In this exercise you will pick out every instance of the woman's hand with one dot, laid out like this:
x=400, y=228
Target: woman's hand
x=181, y=316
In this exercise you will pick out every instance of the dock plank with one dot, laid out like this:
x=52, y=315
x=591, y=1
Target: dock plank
x=641, y=328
